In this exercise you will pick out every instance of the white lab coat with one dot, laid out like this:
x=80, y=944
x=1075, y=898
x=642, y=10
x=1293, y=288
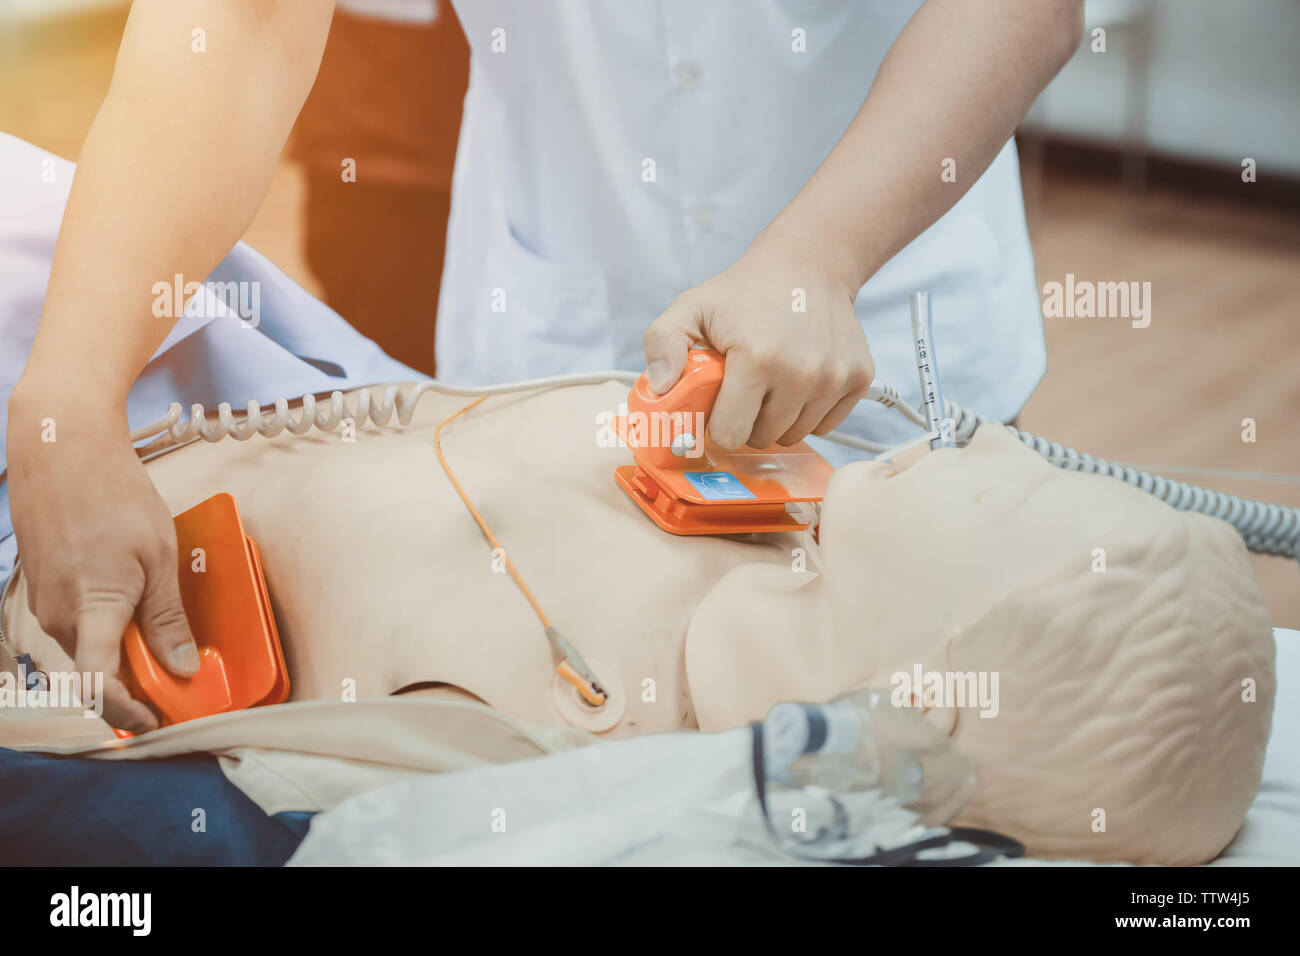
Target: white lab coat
x=562, y=248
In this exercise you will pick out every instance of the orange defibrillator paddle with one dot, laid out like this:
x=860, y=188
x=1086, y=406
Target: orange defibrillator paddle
x=687, y=485
x=241, y=663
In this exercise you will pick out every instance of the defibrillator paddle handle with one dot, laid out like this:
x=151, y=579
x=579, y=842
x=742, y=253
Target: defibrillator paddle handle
x=670, y=427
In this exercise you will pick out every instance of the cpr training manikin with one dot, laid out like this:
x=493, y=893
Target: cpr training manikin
x=1131, y=649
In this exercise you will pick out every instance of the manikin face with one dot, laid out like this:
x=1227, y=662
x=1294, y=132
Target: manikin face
x=917, y=552
x=1114, y=654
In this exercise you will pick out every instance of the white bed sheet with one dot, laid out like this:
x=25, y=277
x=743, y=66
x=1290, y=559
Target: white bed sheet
x=678, y=799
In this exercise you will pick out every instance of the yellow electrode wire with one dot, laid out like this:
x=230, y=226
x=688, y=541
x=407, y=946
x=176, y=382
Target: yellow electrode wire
x=585, y=686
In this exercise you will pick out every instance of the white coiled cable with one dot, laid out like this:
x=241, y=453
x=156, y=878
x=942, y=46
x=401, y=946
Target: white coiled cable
x=1266, y=528
x=327, y=416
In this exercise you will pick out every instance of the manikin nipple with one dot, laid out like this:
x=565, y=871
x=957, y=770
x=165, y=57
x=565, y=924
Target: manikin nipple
x=575, y=708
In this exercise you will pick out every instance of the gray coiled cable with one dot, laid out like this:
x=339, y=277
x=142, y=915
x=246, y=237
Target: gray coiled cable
x=1266, y=528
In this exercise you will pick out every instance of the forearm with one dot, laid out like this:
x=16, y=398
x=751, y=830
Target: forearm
x=954, y=85
x=171, y=173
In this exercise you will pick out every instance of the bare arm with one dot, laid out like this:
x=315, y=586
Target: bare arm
x=954, y=85
x=173, y=170
x=171, y=174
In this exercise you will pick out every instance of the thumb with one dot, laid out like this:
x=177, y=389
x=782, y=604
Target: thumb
x=163, y=624
x=99, y=651
x=666, y=342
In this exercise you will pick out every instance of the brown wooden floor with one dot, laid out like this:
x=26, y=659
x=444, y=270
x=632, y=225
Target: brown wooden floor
x=1223, y=345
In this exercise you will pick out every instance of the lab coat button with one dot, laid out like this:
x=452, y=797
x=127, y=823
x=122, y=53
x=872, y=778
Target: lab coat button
x=688, y=76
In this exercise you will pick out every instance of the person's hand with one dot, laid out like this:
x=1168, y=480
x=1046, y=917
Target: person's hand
x=797, y=358
x=96, y=541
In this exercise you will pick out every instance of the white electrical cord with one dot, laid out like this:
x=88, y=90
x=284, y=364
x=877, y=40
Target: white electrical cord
x=1266, y=528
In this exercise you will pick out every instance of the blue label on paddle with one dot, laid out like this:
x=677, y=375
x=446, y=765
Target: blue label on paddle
x=718, y=485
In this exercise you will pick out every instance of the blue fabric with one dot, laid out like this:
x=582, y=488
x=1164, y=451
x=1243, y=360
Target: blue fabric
x=70, y=811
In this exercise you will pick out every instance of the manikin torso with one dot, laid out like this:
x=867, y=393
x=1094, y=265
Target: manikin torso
x=381, y=580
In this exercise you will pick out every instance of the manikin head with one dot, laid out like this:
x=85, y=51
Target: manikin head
x=1125, y=644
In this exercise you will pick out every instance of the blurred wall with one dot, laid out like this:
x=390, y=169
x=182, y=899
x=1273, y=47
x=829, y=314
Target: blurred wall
x=1217, y=80
x=56, y=58
x=24, y=9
